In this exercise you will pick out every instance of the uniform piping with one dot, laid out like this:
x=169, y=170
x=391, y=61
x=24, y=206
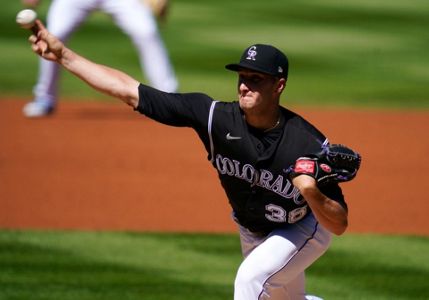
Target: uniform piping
x=209, y=128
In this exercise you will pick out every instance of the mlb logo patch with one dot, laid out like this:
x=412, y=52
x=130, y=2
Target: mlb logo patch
x=305, y=166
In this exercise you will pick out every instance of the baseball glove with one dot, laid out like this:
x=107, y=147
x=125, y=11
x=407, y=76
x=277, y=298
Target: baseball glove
x=335, y=163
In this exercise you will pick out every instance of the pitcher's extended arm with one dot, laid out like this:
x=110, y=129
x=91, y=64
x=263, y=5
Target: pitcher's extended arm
x=104, y=79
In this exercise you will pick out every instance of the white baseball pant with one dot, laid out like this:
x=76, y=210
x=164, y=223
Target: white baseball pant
x=273, y=265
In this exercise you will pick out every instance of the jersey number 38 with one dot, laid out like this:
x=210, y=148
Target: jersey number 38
x=278, y=214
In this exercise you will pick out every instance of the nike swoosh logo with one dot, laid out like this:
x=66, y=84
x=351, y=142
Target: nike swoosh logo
x=230, y=137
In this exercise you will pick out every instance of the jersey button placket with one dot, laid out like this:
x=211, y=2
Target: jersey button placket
x=250, y=206
x=260, y=148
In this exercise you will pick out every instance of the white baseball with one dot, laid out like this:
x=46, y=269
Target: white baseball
x=26, y=17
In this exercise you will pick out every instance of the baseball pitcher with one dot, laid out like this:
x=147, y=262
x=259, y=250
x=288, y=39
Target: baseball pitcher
x=280, y=174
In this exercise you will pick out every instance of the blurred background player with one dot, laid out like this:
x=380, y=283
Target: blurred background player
x=134, y=17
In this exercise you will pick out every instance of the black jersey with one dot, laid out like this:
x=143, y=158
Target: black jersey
x=251, y=164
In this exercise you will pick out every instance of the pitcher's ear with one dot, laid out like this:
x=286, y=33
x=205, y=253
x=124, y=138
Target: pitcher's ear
x=281, y=85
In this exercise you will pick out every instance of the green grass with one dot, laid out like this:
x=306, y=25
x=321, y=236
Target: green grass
x=370, y=53
x=95, y=265
x=123, y=265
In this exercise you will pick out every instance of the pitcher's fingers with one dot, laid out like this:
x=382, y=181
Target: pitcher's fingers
x=32, y=39
x=43, y=48
x=41, y=29
x=40, y=25
x=36, y=49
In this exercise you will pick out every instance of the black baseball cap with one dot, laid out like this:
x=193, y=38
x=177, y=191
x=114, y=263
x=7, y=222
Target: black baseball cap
x=263, y=58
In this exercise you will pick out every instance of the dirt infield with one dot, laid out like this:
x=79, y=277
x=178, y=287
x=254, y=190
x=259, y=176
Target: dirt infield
x=103, y=166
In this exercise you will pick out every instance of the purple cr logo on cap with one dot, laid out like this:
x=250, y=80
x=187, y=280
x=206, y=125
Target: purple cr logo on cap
x=251, y=53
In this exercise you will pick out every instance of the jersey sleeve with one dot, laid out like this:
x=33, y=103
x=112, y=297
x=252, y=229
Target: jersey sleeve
x=175, y=109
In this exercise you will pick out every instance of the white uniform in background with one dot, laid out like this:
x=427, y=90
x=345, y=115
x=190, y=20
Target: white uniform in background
x=132, y=16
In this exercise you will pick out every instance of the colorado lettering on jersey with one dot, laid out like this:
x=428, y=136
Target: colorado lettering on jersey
x=262, y=178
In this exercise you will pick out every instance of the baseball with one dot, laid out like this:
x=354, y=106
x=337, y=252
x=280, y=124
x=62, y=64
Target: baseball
x=26, y=18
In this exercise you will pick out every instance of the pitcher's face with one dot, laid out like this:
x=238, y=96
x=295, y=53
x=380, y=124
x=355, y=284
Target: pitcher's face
x=257, y=89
